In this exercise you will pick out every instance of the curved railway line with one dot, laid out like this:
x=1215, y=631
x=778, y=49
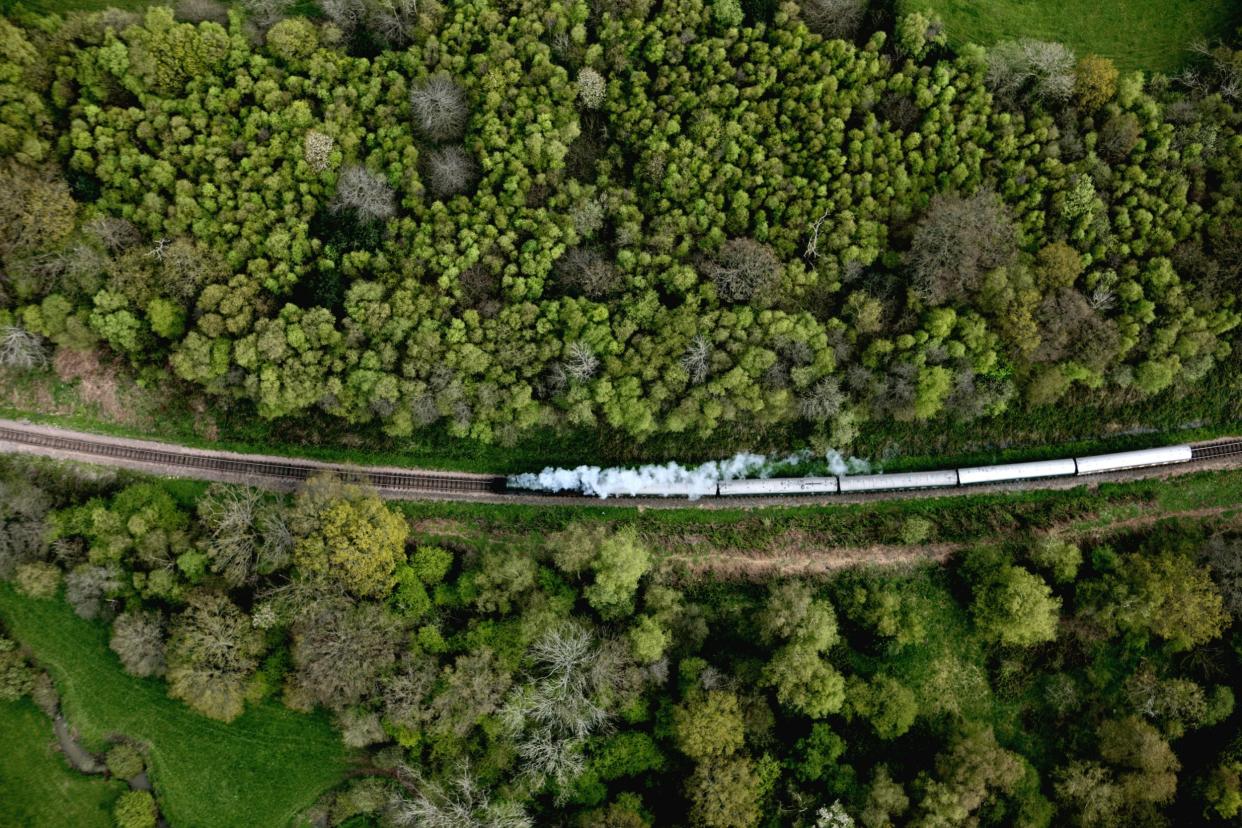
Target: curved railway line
x=396, y=483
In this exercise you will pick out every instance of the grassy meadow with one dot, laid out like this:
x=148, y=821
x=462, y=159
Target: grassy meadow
x=259, y=771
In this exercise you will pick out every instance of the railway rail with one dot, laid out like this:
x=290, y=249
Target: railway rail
x=287, y=473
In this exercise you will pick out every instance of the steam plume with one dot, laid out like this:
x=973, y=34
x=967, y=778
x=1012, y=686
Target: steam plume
x=692, y=481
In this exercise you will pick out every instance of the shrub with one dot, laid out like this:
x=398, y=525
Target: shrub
x=199, y=11
x=440, y=109
x=38, y=579
x=16, y=676
x=1059, y=557
x=431, y=564
x=135, y=809
x=124, y=761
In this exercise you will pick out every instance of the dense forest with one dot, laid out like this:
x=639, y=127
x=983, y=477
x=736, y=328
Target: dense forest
x=657, y=218
x=566, y=678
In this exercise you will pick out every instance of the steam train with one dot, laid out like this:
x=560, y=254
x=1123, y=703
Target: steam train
x=948, y=478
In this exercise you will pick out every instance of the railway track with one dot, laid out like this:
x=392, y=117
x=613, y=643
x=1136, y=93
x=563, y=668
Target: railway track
x=287, y=473
x=1215, y=451
x=259, y=469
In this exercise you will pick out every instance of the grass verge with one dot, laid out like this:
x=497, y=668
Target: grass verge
x=37, y=787
x=260, y=770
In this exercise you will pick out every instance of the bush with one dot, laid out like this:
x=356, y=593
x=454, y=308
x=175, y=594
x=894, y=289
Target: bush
x=1059, y=557
x=135, y=809
x=431, y=564
x=38, y=579
x=199, y=11
x=124, y=761
x=17, y=678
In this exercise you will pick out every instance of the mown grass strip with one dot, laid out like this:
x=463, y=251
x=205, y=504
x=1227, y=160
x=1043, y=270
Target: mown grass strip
x=258, y=771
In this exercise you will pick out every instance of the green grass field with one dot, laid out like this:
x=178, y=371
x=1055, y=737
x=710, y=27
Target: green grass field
x=259, y=771
x=1152, y=35
x=38, y=789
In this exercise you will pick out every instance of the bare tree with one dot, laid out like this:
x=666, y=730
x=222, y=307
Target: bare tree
x=264, y=13
x=1038, y=68
x=697, y=360
x=23, y=529
x=460, y=804
x=138, y=640
x=116, y=234
x=823, y=400
x=404, y=693
x=451, y=171
x=87, y=586
x=1223, y=555
x=580, y=361
x=393, y=21
x=440, y=108
x=248, y=535
x=363, y=191
x=21, y=349
x=957, y=241
x=744, y=270
x=340, y=650
x=834, y=18
x=563, y=703
x=584, y=270
x=346, y=15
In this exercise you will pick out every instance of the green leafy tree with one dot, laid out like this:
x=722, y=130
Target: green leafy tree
x=708, y=725
x=347, y=535
x=1014, y=606
x=212, y=651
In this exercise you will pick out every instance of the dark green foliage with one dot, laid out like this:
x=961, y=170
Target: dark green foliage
x=932, y=696
x=707, y=218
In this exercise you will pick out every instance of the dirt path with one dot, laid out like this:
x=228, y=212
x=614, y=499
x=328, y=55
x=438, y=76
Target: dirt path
x=787, y=557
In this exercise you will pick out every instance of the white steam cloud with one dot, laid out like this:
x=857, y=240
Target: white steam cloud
x=673, y=479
